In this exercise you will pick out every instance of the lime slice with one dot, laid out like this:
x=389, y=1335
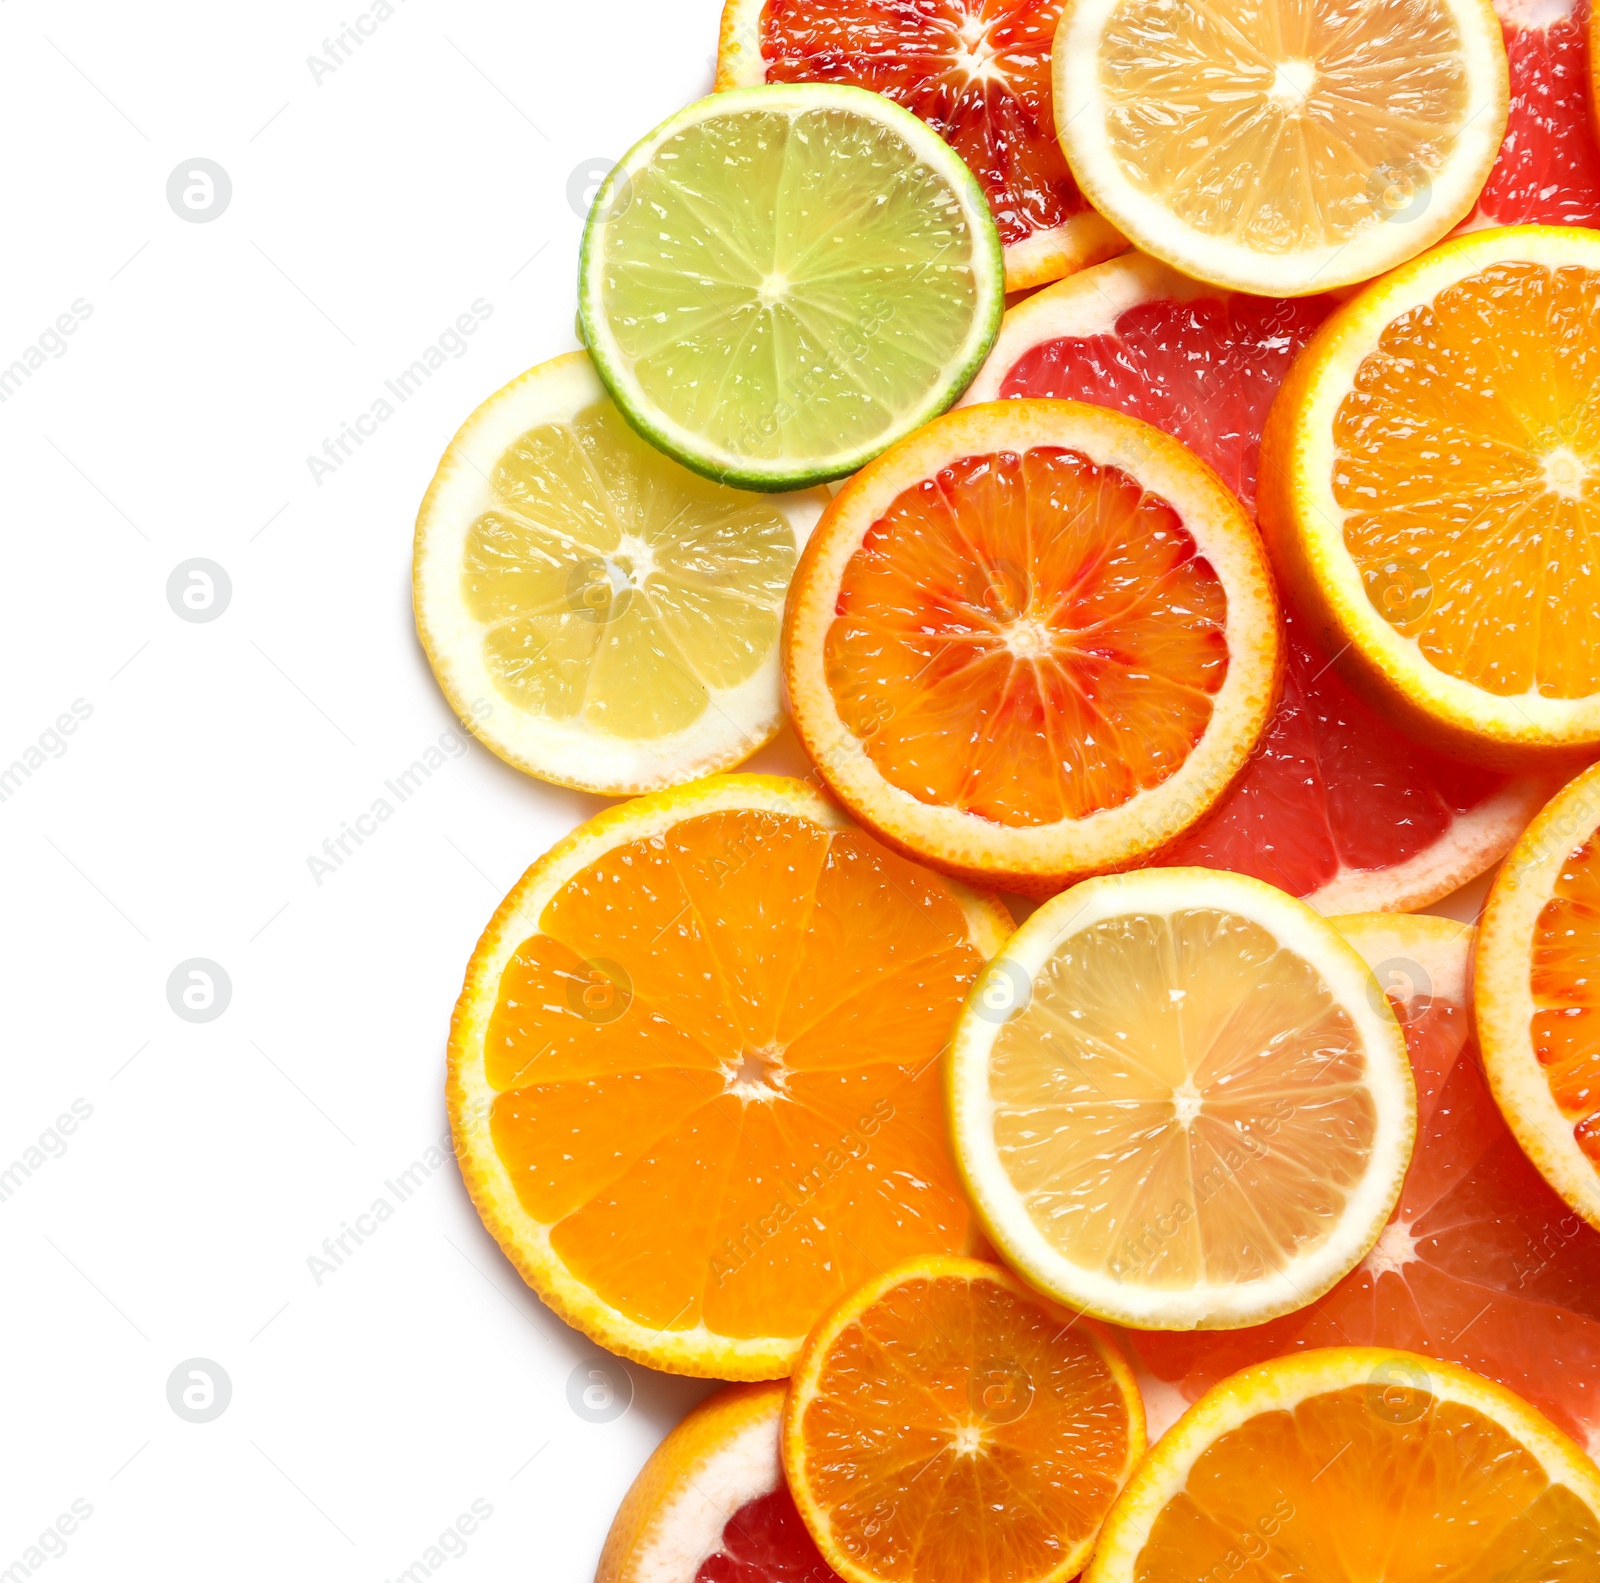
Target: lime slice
x=780, y=282
x=596, y=614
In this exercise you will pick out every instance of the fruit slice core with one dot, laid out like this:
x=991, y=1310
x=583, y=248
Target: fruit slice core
x=1028, y=637
x=1385, y=1480
x=765, y=1542
x=1566, y=991
x=956, y=1430
x=1468, y=443
x=720, y=1050
x=1182, y=1101
x=1273, y=125
x=977, y=71
x=616, y=589
x=788, y=286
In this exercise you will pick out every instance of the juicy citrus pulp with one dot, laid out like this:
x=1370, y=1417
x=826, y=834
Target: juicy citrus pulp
x=1538, y=985
x=1030, y=640
x=1548, y=172
x=1431, y=479
x=711, y=1505
x=1178, y=1101
x=779, y=282
x=1263, y=145
x=1351, y=1464
x=947, y=1423
x=977, y=71
x=605, y=618
x=692, y=1070
x=1481, y=1263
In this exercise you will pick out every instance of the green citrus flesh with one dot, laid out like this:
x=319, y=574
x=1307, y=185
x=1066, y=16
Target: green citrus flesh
x=780, y=282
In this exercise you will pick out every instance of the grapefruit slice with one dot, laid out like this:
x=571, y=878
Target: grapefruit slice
x=1035, y=640
x=977, y=71
x=1335, y=806
x=1355, y=1464
x=1537, y=1004
x=1481, y=1264
x=946, y=1424
x=711, y=1505
x=1548, y=170
x=693, y=1070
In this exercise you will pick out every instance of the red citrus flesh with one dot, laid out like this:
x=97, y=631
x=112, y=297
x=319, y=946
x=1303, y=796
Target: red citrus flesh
x=1548, y=172
x=1332, y=791
x=766, y=1542
x=1482, y=1264
x=977, y=71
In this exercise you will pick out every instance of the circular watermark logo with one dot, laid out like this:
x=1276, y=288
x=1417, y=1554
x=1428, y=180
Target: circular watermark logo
x=1399, y=1391
x=602, y=992
x=199, y=190
x=600, y=1389
x=1399, y=190
x=199, y=1390
x=1402, y=986
x=1000, y=588
x=1400, y=591
x=199, y=990
x=1001, y=1391
x=598, y=589
x=198, y=590
x=588, y=181
x=1003, y=991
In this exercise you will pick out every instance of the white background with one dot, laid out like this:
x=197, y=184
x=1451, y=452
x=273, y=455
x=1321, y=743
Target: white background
x=369, y=209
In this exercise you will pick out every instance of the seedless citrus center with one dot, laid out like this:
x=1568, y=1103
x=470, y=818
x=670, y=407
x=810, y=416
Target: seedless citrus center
x=1028, y=637
x=1468, y=534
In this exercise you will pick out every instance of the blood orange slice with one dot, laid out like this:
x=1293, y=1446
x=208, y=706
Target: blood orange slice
x=1481, y=1263
x=1336, y=806
x=1034, y=641
x=711, y=1504
x=1548, y=171
x=977, y=71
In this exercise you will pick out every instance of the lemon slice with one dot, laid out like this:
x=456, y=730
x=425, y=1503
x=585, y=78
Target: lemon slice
x=1180, y=1101
x=604, y=618
x=1277, y=147
x=781, y=281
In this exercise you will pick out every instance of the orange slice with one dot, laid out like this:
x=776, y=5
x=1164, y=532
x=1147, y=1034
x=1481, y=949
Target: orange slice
x=977, y=71
x=1179, y=1101
x=1354, y=1464
x=1538, y=992
x=1430, y=486
x=711, y=1504
x=946, y=1424
x=1481, y=1263
x=692, y=1070
x=1035, y=640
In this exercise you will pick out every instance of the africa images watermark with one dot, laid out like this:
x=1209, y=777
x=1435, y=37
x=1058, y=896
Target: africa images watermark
x=352, y=36
x=51, y=743
x=50, y=1145
x=49, y=345
x=450, y=1545
x=51, y=1543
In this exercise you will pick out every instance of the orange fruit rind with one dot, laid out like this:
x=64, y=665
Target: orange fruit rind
x=1032, y=855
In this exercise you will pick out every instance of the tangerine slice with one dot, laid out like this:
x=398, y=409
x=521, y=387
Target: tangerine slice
x=947, y=1423
x=1352, y=1464
x=1035, y=640
x=1481, y=1264
x=1548, y=170
x=692, y=1070
x=1538, y=1004
x=1431, y=486
x=1334, y=806
x=977, y=71
x=711, y=1504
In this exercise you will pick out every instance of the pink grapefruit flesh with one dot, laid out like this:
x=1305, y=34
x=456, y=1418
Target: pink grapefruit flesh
x=766, y=1542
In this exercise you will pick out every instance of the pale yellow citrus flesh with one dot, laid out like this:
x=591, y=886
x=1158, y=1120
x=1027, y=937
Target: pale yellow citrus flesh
x=1467, y=463
x=1376, y=1480
x=615, y=589
x=1182, y=1102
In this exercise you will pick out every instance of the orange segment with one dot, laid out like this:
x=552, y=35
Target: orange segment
x=1430, y=484
x=1566, y=989
x=1030, y=639
x=694, y=1071
x=1353, y=1464
x=947, y=1423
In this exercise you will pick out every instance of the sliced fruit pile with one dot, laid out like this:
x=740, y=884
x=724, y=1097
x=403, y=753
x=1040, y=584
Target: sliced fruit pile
x=755, y=1078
